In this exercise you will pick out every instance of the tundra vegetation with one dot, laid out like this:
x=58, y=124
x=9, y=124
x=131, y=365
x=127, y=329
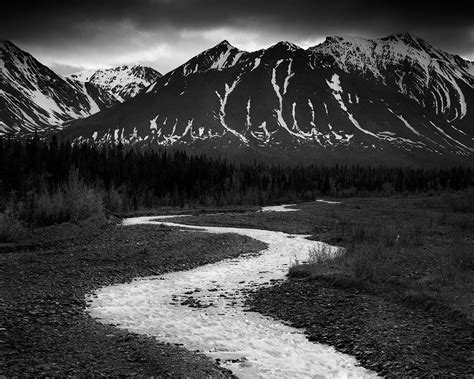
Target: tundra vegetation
x=422, y=250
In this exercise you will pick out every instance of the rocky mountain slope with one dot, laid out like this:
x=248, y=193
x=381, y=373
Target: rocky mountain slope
x=123, y=82
x=440, y=82
x=34, y=98
x=396, y=98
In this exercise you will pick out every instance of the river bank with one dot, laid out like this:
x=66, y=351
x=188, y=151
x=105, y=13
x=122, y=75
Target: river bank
x=44, y=330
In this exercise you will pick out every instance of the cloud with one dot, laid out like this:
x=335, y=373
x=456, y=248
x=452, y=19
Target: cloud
x=165, y=33
x=64, y=69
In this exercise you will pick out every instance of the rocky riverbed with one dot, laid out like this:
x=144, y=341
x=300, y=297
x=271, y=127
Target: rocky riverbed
x=202, y=309
x=386, y=335
x=44, y=330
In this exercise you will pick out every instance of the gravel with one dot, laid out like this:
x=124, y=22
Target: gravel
x=44, y=329
x=383, y=333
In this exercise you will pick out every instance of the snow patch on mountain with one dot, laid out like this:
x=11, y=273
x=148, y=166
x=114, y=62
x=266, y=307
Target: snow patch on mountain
x=407, y=63
x=336, y=88
x=292, y=99
x=222, y=112
x=123, y=82
x=34, y=98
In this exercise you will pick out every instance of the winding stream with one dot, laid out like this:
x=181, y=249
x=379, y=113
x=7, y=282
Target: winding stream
x=202, y=309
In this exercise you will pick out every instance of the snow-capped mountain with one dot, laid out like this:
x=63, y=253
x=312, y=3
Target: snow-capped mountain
x=433, y=78
x=123, y=82
x=33, y=98
x=346, y=98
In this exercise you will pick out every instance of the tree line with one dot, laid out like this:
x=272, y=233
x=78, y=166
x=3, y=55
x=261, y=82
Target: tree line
x=130, y=179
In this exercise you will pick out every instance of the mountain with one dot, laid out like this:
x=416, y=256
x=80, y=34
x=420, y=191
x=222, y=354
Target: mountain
x=33, y=98
x=433, y=78
x=123, y=82
x=348, y=99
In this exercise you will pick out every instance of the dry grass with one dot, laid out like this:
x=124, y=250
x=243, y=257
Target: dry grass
x=456, y=261
x=460, y=204
x=418, y=249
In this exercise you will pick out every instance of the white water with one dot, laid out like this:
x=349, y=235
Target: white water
x=327, y=201
x=258, y=345
x=279, y=208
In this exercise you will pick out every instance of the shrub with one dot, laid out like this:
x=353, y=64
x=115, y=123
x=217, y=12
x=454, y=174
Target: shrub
x=320, y=259
x=321, y=255
x=11, y=229
x=113, y=201
x=73, y=201
x=363, y=264
x=48, y=208
x=463, y=256
x=363, y=259
x=80, y=201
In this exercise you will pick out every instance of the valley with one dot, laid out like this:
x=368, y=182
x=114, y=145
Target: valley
x=401, y=269
x=267, y=209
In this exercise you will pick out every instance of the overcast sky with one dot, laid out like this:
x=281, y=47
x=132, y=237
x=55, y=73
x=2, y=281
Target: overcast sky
x=69, y=35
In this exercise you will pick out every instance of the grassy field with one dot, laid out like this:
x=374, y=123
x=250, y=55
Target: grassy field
x=419, y=249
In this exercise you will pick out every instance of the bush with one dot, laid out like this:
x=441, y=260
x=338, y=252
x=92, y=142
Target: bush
x=11, y=229
x=113, y=201
x=321, y=259
x=73, y=201
x=364, y=258
x=323, y=254
x=463, y=256
x=81, y=202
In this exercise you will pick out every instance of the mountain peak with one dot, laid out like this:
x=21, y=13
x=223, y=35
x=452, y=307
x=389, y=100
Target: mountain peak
x=5, y=42
x=224, y=43
x=123, y=82
x=6, y=45
x=335, y=43
x=36, y=98
x=408, y=39
x=285, y=45
x=365, y=96
x=404, y=36
x=217, y=57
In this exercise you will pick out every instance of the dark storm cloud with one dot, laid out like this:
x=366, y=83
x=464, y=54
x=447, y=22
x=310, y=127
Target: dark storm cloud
x=111, y=27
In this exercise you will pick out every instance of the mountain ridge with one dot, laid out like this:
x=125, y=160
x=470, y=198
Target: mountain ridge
x=395, y=98
x=289, y=99
x=123, y=82
x=403, y=57
x=33, y=98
